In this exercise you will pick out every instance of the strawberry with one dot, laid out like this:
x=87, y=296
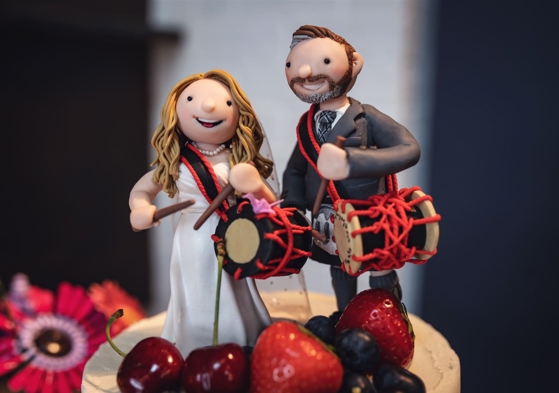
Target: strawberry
x=381, y=314
x=289, y=358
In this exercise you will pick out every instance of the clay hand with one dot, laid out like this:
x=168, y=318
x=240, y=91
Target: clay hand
x=245, y=179
x=332, y=162
x=142, y=217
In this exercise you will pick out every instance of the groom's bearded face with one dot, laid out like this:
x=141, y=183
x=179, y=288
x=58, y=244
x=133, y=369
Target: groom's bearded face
x=336, y=89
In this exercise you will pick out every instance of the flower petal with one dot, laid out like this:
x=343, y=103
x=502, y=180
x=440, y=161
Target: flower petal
x=48, y=382
x=62, y=383
x=109, y=297
x=75, y=377
x=94, y=324
x=5, y=323
x=9, y=363
x=42, y=300
x=70, y=298
x=83, y=311
x=16, y=382
x=6, y=344
x=94, y=342
x=34, y=381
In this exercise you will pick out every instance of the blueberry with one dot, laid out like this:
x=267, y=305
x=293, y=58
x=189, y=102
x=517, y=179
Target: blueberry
x=356, y=381
x=322, y=327
x=358, y=350
x=395, y=379
x=335, y=317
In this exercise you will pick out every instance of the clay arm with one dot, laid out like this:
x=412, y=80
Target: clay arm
x=396, y=150
x=294, y=186
x=141, y=198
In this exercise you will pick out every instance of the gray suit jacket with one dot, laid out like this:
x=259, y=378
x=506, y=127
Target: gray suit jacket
x=362, y=124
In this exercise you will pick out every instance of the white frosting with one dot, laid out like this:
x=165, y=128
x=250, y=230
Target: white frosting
x=434, y=360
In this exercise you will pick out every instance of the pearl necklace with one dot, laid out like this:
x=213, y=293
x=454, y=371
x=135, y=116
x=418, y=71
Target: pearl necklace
x=207, y=153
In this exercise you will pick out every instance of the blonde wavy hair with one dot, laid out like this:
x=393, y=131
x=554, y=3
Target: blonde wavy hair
x=246, y=142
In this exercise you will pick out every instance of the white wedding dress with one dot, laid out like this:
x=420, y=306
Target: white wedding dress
x=190, y=317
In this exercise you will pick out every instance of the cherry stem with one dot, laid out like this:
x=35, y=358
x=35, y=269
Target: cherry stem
x=220, y=255
x=117, y=314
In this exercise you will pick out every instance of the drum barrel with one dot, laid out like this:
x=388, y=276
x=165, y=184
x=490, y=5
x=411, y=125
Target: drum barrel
x=416, y=237
x=264, y=249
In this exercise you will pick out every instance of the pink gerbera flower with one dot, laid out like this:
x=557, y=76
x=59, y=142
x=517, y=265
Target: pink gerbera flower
x=52, y=344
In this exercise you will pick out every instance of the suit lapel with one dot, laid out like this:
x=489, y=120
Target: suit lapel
x=346, y=124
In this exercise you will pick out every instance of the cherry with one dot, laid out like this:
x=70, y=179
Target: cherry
x=220, y=368
x=154, y=365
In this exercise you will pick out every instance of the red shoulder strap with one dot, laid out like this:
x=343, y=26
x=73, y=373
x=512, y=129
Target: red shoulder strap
x=204, y=176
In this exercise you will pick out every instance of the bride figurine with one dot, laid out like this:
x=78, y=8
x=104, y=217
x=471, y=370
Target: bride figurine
x=208, y=136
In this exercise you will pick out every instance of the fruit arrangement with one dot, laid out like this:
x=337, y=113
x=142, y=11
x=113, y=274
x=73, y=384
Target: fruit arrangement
x=365, y=351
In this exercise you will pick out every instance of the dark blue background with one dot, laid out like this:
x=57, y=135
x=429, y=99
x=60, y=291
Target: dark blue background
x=492, y=289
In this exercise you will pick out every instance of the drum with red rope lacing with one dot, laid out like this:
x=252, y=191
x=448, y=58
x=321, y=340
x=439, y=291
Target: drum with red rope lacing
x=386, y=230
x=270, y=242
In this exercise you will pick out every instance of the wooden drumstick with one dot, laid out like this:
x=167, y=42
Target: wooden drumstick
x=318, y=236
x=166, y=211
x=162, y=213
x=340, y=142
x=227, y=190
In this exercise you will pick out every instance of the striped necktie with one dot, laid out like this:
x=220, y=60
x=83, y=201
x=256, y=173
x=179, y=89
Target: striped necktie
x=325, y=120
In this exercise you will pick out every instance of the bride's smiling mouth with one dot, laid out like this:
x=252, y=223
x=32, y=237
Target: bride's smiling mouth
x=209, y=123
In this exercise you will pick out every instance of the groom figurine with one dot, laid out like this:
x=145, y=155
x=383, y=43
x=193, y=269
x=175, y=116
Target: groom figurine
x=321, y=68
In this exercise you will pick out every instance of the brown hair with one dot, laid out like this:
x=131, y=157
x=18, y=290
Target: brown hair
x=246, y=142
x=322, y=32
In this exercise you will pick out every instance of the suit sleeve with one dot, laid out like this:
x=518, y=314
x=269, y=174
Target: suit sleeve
x=294, y=188
x=396, y=150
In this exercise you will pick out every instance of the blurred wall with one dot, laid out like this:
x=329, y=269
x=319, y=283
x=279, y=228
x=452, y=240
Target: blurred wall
x=250, y=39
x=73, y=102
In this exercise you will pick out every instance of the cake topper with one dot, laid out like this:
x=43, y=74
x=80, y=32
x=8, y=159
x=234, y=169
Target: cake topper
x=321, y=68
x=208, y=136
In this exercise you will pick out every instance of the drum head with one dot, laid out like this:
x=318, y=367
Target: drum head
x=348, y=246
x=432, y=229
x=242, y=240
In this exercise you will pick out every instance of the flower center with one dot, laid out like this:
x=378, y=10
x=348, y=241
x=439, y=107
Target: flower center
x=53, y=342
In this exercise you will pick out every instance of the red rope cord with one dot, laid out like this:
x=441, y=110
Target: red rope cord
x=241, y=205
x=391, y=182
x=389, y=210
x=331, y=188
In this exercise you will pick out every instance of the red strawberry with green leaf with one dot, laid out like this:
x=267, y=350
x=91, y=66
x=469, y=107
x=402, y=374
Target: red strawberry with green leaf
x=381, y=314
x=289, y=358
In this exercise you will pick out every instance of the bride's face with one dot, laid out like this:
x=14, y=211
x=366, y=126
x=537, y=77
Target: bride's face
x=207, y=112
